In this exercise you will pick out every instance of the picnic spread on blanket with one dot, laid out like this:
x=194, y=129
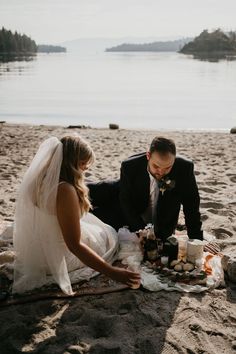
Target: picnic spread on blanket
x=178, y=264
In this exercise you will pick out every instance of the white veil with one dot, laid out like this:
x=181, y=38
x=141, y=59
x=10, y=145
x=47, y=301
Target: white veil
x=37, y=237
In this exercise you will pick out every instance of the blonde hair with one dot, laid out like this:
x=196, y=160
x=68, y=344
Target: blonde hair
x=76, y=151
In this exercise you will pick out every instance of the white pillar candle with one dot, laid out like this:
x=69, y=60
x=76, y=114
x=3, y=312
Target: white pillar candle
x=195, y=250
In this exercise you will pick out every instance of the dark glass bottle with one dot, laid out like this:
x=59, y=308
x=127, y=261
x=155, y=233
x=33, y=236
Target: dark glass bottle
x=170, y=251
x=150, y=244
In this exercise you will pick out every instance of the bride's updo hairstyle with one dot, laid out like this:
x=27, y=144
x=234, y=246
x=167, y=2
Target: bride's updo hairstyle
x=76, y=151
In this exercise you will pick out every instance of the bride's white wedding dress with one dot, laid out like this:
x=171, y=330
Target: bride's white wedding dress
x=47, y=259
x=42, y=256
x=101, y=238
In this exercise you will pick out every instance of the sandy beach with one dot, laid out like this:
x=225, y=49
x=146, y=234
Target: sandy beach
x=130, y=321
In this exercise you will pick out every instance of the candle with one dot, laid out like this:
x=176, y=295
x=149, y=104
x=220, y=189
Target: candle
x=195, y=250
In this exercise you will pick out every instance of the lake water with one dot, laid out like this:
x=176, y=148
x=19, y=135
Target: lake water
x=134, y=90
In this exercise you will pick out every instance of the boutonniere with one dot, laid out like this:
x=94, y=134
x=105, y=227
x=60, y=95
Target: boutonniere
x=166, y=184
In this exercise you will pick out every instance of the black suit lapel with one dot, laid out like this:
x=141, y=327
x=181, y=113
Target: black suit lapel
x=143, y=180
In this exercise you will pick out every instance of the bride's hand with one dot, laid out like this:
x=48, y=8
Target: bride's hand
x=125, y=276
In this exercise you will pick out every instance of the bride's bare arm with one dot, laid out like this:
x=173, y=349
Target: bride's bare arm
x=68, y=214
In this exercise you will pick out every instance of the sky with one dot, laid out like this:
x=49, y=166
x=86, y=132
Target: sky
x=56, y=21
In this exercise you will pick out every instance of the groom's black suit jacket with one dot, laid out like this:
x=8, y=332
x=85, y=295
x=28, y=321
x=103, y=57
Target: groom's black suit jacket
x=135, y=191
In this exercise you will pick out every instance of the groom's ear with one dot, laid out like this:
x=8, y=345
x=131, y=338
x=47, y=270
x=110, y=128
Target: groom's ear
x=148, y=154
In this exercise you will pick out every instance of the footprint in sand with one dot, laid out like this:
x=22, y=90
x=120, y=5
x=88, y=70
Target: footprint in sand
x=214, y=183
x=102, y=325
x=204, y=217
x=218, y=212
x=213, y=205
x=103, y=348
x=222, y=233
x=147, y=345
x=233, y=179
x=81, y=348
x=207, y=190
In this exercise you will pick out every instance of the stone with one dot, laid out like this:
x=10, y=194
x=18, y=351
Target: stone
x=113, y=126
x=233, y=130
x=77, y=127
x=229, y=265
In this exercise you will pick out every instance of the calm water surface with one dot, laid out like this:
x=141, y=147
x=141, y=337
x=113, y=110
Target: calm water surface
x=134, y=90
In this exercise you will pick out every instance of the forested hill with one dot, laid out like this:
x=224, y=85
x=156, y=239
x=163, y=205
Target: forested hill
x=214, y=42
x=15, y=43
x=160, y=46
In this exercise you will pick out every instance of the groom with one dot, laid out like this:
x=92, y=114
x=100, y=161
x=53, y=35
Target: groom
x=151, y=189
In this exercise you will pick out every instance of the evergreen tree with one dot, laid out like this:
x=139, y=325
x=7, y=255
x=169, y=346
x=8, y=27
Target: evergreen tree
x=15, y=43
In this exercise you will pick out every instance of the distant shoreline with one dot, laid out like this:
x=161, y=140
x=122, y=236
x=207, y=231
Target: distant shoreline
x=84, y=127
x=158, y=46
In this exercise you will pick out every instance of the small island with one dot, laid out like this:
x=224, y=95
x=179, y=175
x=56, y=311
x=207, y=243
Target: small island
x=168, y=46
x=45, y=48
x=212, y=45
x=16, y=46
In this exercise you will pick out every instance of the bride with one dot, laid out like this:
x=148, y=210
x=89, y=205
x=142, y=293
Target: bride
x=55, y=238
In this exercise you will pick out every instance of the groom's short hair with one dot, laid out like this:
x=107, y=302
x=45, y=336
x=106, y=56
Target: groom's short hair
x=162, y=145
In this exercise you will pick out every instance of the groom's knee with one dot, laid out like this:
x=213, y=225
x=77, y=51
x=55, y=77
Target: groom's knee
x=104, y=193
x=104, y=197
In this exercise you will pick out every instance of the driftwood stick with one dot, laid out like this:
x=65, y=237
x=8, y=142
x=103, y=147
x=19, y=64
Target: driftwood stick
x=58, y=294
